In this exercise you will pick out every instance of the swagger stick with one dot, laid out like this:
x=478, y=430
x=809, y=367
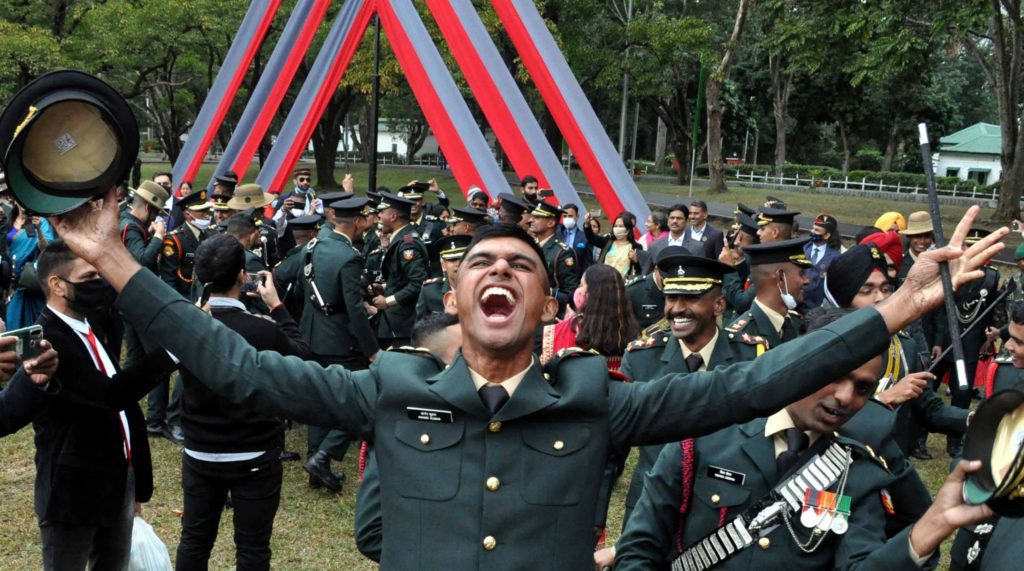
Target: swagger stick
x=1006, y=291
x=940, y=241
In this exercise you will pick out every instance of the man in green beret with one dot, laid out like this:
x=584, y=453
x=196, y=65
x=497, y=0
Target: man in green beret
x=495, y=459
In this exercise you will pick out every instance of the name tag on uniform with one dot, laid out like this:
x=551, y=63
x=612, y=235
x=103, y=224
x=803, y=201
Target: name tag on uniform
x=717, y=473
x=429, y=414
x=648, y=307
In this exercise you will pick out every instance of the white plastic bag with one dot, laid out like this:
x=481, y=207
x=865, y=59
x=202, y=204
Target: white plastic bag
x=148, y=552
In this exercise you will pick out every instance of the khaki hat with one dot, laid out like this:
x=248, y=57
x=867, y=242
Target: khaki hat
x=918, y=223
x=66, y=138
x=994, y=437
x=249, y=196
x=152, y=193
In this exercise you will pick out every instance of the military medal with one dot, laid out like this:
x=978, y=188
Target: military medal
x=825, y=511
x=840, y=523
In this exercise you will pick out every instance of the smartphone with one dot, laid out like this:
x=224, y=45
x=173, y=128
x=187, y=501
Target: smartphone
x=596, y=213
x=252, y=283
x=29, y=340
x=545, y=192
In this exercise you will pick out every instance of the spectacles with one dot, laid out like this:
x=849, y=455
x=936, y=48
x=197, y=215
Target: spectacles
x=302, y=179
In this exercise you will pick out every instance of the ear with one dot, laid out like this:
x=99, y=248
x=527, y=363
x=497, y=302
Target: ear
x=719, y=307
x=451, y=306
x=550, y=310
x=56, y=286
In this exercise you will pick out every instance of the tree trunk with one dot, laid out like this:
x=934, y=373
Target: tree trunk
x=1008, y=43
x=781, y=84
x=551, y=132
x=713, y=93
x=847, y=155
x=890, y=146
x=414, y=142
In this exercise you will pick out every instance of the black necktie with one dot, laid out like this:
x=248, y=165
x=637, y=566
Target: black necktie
x=788, y=330
x=494, y=397
x=796, y=442
x=693, y=362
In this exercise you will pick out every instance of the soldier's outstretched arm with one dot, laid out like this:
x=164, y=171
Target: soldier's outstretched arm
x=671, y=409
x=289, y=386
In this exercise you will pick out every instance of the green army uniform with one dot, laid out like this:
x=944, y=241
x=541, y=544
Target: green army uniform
x=758, y=334
x=135, y=237
x=431, y=300
x=177, y=264
x=539, y=451
x=653, y=358
x=266, y=248
x=731, y=470
x=739, y=291
x=562, y=270
x=403, y=269
x=373, y=254
x=647, y=300
x=287, y=274
x=254, y=262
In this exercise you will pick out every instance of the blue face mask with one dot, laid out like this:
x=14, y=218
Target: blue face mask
x=817, y=238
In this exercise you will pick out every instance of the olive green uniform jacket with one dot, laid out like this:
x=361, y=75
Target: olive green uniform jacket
x=546, y=448
x=755, y=325
x=178, y=262
x=404, y=269
x=563, y=270
x=647, y=300
x=431, y=300
x=653, y=537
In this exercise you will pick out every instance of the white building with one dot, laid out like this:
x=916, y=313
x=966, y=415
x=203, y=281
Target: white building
x=971, y=154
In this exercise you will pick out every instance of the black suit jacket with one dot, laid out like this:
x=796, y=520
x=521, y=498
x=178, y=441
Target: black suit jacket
x=20, y=401
x=81, y=470
x=711, y=242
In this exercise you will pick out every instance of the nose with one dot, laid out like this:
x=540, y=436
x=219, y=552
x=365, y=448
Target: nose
x=844, y=393
x=501, y=268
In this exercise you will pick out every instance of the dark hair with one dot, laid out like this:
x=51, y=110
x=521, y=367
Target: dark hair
x=864, y=233
x=164, y=173
x=598, y=222
x=607, y=323
x=1017, y=312
x=700, y=204
x=53, y=261
x=505, y=230
x=821, y=316
x=240, y=225
x=527, y=180
x=660, y=219
x=629, y=221
x=681, y=207
x=431, y=325
x=218, y=261
x=572, y=205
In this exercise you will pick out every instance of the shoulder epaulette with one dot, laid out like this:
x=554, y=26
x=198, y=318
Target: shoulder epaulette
x=904, y=334
x=739, y=324
x=1004, y=359
x=430, y=217
x=551, y=367
x=432, y=281
x=749, y=339
x=863, y=450
x=656, y=339
x=418, y=351
x=635, y=280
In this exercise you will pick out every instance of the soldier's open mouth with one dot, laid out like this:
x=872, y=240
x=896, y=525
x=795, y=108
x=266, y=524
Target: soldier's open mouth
x=497, y=302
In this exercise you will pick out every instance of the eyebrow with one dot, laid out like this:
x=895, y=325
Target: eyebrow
x=489, y=256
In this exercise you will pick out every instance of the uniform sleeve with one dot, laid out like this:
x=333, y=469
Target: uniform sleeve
x=692, y=404
x=732, y=289
x=369, y=530
x=289, y=339
x=169, y=262
x=144, y=252
x=934, y=414
x=416, y=270
x=865, y=548
x=229, y=366
x=566, y=271
x=648, y=537
x=351, y=290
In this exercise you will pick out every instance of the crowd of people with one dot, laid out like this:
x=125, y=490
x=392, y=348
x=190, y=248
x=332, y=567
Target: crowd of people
x=494, y=365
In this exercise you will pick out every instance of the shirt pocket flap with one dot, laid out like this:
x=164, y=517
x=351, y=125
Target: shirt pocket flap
x=428, y=436
x=717, y=494
x=558, y=441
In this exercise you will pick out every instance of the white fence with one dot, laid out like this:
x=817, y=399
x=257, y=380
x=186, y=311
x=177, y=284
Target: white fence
x=863, y=185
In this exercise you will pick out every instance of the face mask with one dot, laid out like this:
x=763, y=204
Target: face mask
x=619, y=232
x=569, y=223
x=201, y=223
x=90, y=295
x=787, y=298
x=296, y=212
x=579, y=298
x=817, y=238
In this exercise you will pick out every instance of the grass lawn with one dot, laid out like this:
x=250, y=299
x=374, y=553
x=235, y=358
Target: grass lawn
x=314, y=529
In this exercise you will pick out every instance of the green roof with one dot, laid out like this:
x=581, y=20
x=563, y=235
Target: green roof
x=980, y=138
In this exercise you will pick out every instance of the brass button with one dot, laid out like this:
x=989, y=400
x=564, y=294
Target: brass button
x=490, y=543
x=558, y=445
x=494, y=426
x=715, y=498
x=425, y=439
x=547, y=376
x=764, y=543
x=493, y=484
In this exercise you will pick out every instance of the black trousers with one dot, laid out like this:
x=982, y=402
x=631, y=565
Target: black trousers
x=98, y=547
x=160, y=405
x=255, y=487
x=331, y=440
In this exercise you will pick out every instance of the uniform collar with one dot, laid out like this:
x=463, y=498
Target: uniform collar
x=705, y=353
x=542, y=243
x=777, y=424
x=777, y=319
x=510, y=384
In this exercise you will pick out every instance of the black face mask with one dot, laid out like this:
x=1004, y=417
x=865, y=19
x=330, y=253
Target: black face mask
x=90, y=295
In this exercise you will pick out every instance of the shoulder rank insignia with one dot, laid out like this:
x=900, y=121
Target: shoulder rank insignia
x=635, y=280
x=568, y=353
x=737, y=325
x=408, y=255
x=644, y=343
x=431, y=281
x=168, y=249
x=569, y=262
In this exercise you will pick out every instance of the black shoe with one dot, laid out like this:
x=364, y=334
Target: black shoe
x=319, y=467
x=155, y=428
x=175, y=434
x=954, y=451
x=921, y=453
x=287, y=456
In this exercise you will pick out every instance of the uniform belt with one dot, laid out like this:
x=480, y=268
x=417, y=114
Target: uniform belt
x=762, y=517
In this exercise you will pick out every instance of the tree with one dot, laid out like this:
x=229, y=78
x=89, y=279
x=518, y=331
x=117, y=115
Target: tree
x=713, y=95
